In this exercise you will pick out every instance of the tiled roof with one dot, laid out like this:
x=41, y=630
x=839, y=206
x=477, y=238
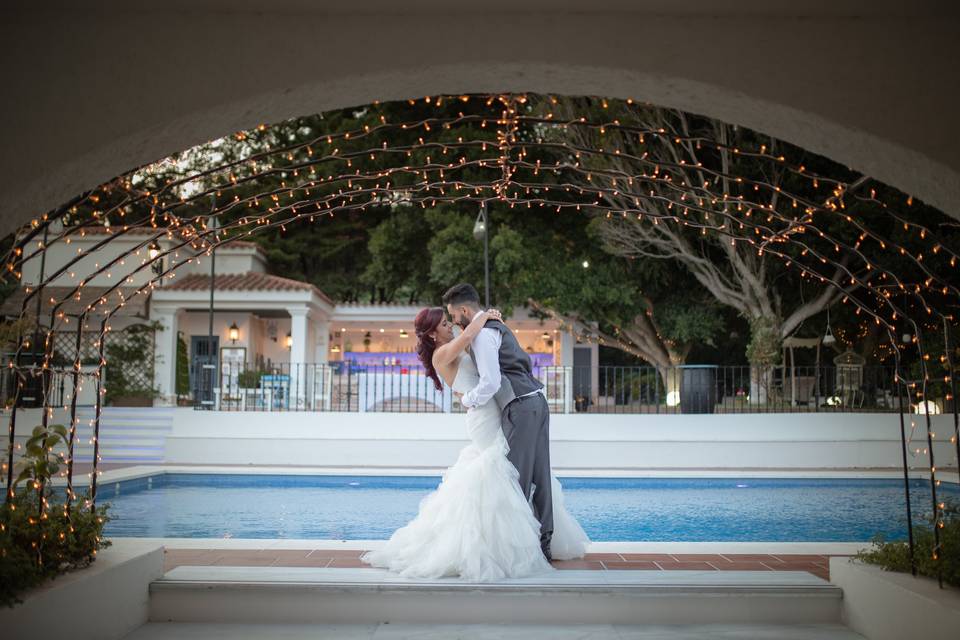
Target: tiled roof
x=240, y=244
x=249, y=281
x=379, y=305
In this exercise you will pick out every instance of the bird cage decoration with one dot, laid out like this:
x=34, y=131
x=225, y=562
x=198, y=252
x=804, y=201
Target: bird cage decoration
x=849, y=371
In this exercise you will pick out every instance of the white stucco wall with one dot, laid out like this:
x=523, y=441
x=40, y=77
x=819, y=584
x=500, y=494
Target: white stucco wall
x=610, y=445
x=89, y=259
x=613, y=442
x=82, y=256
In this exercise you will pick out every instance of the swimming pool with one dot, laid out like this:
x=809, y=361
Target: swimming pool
x=610, y=509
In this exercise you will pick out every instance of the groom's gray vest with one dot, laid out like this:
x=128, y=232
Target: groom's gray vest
x=516, y=372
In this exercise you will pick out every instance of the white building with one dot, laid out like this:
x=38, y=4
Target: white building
x=261, y=323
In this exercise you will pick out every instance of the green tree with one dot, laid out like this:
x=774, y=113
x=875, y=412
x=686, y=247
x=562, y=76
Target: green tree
x=183, y=366
x=538, y=262
x=397, y=246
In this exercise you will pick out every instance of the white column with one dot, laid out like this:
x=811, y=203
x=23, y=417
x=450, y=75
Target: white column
x=566, y=360
x=322, y=351
x=299, y=335
x=321, y=376
x=566, y=348
x=165, y=354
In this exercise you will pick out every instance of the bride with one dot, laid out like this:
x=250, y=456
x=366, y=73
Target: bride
x=477, y=523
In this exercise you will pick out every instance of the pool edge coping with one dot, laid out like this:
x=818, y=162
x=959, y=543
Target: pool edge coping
x=734, y=548
x=136, y=472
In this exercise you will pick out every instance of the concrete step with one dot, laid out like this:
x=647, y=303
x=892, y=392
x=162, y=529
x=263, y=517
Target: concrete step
x=127, y=434
x=192, y=631
x=118, y=435
x=304, y=595
x=129, y=410
x=122, y=426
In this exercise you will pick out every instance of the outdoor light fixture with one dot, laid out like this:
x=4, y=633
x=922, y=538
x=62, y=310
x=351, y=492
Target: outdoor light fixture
x=335, y=348
x=545, y=336
x=586, y=264
x=234, y=332
x=289, y=341
x=906, y=338
x=154, y=252
x=673, y=398
x=828, y=338
x=404, y=334
x=480, y=227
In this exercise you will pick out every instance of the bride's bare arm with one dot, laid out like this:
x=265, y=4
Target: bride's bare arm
x=449, y=352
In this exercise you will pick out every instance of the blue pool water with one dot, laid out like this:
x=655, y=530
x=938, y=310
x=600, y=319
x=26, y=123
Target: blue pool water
x=641, y=509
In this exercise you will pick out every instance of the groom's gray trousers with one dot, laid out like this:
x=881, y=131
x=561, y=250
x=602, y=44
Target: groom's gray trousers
x=526, y=426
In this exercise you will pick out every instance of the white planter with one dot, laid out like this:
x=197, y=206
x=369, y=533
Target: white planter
x=105, y=601
x=884, y=605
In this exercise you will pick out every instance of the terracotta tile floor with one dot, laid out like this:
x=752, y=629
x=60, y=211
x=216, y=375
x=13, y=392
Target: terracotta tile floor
x=817, y=565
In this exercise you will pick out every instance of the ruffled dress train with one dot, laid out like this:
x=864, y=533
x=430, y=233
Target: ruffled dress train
x=477, y=523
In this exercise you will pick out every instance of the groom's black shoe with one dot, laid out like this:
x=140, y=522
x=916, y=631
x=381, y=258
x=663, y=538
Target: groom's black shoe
x=546, y=553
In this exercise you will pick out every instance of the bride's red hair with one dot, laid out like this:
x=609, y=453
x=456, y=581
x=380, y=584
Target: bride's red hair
x=426, y=323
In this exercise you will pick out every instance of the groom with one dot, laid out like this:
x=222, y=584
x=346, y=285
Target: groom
x=506, y=377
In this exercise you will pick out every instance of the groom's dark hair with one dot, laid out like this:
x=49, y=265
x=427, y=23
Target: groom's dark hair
x=461, y=294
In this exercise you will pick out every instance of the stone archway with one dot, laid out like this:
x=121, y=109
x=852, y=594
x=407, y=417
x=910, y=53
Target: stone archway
x=100, y=89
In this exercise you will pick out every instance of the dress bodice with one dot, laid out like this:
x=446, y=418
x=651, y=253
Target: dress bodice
x=483, y=422
x=467, y=375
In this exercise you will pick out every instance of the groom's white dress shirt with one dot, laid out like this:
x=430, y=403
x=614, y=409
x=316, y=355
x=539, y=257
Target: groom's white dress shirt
x=486, y=351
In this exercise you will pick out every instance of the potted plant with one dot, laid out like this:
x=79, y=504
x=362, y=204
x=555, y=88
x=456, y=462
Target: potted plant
x=249, y=379
x=128, y=357
x=40, y=536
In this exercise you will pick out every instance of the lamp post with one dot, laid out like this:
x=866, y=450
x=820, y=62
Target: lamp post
x=210, y=363
x=480, y=232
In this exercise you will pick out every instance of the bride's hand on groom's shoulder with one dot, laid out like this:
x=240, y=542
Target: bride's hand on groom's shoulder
x=494, y=314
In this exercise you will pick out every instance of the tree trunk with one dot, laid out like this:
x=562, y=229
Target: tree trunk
x=761, y=377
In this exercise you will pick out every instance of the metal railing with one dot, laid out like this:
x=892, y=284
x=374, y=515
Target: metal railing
x=349, y=387
x=32, y=393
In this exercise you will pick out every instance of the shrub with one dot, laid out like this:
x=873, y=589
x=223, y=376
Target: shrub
x=895, y=556
x=249, y=378
x=37, y=544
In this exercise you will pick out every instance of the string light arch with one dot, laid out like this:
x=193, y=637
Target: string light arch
x=512, y=151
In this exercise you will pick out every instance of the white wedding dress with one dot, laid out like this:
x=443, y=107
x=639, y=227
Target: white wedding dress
x=477, y=523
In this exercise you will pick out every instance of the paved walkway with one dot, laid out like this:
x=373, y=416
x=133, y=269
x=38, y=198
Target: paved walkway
x=818, y=565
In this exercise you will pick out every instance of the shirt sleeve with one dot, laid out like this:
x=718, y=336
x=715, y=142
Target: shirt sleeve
x=486, y=349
